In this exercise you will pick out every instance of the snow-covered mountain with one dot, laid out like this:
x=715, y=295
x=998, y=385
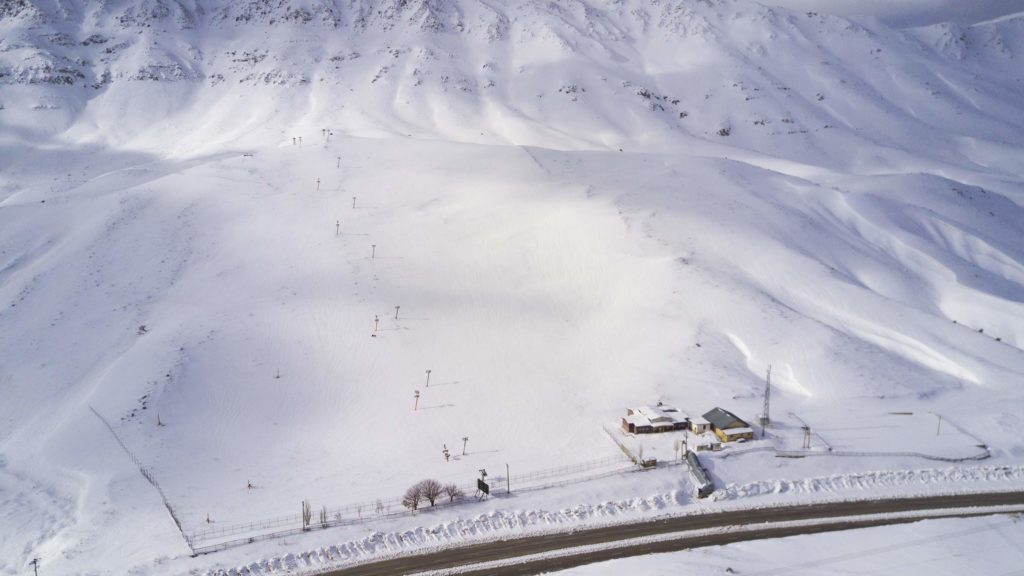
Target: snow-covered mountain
x=605, y=74
x=559, y=208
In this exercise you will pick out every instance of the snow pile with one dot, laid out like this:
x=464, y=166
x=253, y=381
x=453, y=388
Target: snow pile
x=939, y=479
x=494, y=525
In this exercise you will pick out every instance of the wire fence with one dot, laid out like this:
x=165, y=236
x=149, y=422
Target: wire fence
x=217, y=538
x=221, y=537
x=985, y=453
x=147, y=473
x=983, y=450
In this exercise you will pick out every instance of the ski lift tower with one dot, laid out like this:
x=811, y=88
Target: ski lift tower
x=765, y=413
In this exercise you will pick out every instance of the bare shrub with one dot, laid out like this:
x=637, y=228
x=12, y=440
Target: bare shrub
x=412, y=497
x=453, y=492
x=431, y=489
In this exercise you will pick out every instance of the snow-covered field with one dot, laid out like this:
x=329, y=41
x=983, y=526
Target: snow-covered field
x=947, y=547
x=575, y=207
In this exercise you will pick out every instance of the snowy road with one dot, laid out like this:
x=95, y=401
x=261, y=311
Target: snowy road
x=838, y=516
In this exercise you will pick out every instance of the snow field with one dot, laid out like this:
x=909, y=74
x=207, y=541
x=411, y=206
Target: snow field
x=937, y=547
x=503, y=266
x=578, y=207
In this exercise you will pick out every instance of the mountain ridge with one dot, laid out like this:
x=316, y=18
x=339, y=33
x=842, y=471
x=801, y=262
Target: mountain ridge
x=530, y=72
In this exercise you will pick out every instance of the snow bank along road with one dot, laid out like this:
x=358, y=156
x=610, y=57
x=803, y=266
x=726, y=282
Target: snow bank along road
x=843, y=514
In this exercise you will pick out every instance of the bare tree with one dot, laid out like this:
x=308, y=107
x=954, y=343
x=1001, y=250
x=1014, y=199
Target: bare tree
x=453, y=492
x=431, y=489
x=323, y=517
x=307, y=514
x=412, y=497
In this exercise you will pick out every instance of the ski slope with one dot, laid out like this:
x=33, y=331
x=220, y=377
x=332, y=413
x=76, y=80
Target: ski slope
x=577, y=207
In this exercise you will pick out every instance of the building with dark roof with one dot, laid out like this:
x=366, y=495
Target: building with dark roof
x=728, y=426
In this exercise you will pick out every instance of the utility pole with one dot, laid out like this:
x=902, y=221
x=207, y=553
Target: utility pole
x=464, y=440
x=807, y=437
x=318, y=184
x=396, y=312
x=428, y=379
x=765, y=414
x=939, y=425
x=416, y=406
x=337, y=228
x=339, y=161
x=373, y=251
x=353, y=202
x=35, y=565
x=376, y=323
x=508, y=481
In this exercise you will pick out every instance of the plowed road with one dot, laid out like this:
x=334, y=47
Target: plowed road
x=836, y=514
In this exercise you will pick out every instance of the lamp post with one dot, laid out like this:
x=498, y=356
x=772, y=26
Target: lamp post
x=416, y=406
x=464, y=440
x=428, y=379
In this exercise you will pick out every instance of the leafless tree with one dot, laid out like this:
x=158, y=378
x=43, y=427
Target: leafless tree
x=323, y=517
x=431, y=489
x=453, y=492
x=412, y=497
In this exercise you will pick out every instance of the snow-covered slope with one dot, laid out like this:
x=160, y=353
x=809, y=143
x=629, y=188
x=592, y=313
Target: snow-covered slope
x=607, y=74
x=578, y=206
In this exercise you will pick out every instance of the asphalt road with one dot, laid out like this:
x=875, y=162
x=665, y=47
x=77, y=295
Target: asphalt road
x=506, y=549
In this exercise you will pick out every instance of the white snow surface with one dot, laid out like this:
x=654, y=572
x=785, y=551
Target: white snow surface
x=578, y=206
x=939, y=547
x=500, y=524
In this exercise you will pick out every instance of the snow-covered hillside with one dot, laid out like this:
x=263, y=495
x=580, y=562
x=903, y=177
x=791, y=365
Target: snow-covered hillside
x=805, y=86
x=577, y=207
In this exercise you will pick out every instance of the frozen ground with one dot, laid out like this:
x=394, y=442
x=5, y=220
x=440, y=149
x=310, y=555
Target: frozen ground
x=576, y=210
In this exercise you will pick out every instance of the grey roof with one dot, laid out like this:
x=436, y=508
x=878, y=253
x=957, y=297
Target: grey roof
x=698, y=471
x=723, y=419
